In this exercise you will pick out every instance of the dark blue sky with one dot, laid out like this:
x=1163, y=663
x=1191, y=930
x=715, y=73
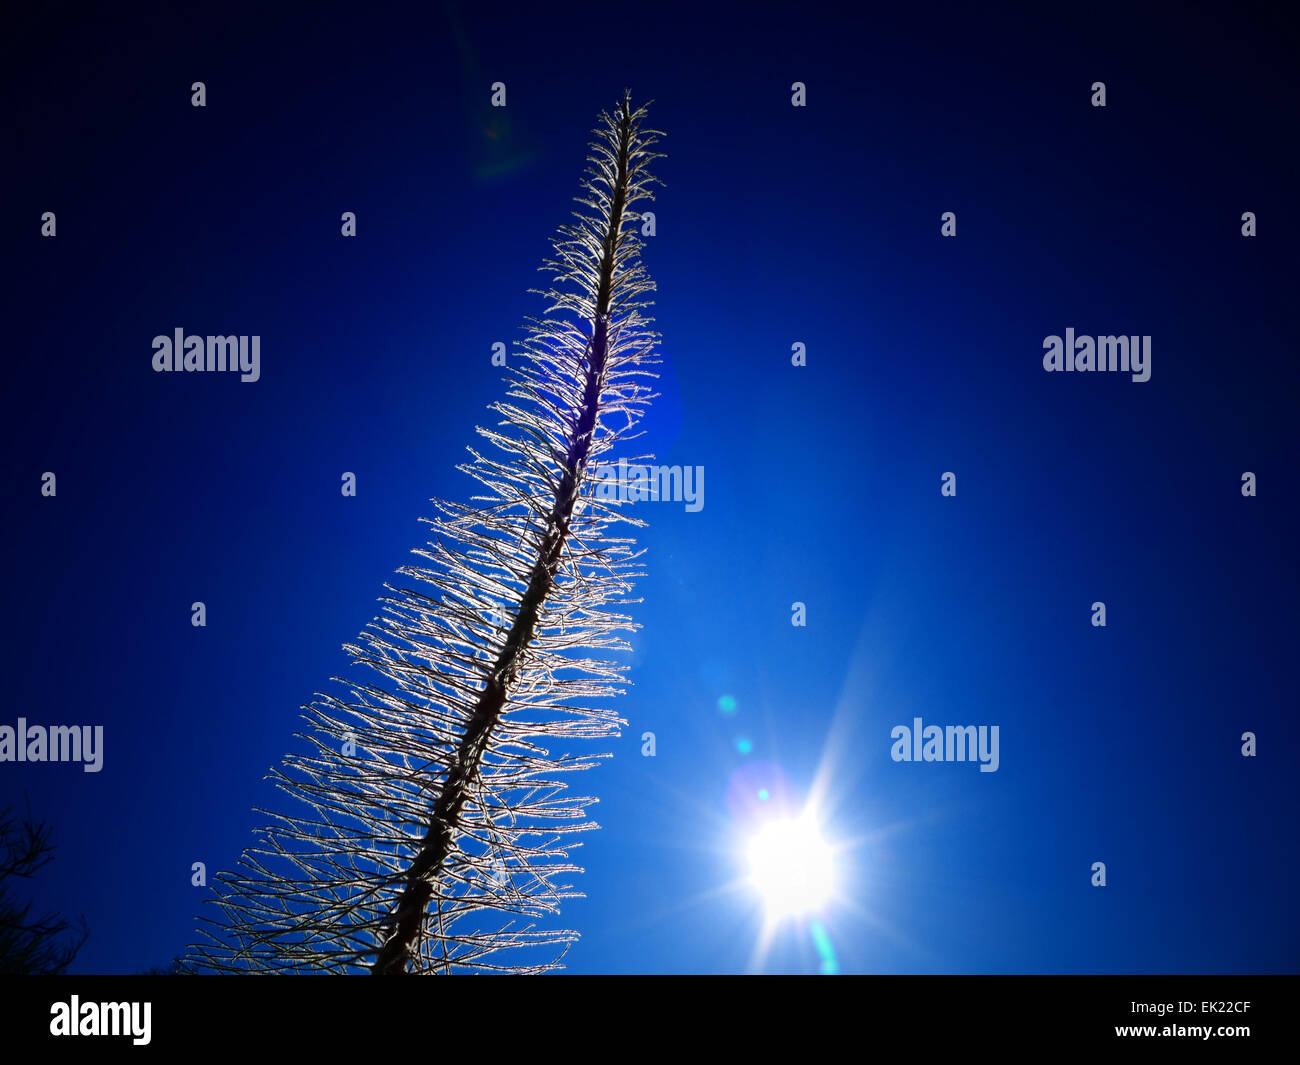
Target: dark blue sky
x=777, y=225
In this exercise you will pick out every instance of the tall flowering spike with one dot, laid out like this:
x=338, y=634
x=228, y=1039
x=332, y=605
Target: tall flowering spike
x=432, y=831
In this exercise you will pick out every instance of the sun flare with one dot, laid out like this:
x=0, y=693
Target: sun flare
x=791, y=866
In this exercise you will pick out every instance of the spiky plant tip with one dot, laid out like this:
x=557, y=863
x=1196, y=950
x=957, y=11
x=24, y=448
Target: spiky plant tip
x=433, y=827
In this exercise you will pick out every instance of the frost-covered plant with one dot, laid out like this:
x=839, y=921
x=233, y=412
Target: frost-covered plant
x=433, y=825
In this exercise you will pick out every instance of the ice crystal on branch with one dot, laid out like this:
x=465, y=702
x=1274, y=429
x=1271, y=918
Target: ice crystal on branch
x=432, y=827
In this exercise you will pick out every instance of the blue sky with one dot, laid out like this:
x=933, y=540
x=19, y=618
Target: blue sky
x=776, y=225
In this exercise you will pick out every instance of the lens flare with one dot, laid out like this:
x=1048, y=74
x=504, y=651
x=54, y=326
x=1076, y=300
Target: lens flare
x=825, y=949
x=754, y=787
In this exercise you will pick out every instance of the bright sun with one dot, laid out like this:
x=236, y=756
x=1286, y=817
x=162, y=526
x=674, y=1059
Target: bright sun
x=790, y=865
